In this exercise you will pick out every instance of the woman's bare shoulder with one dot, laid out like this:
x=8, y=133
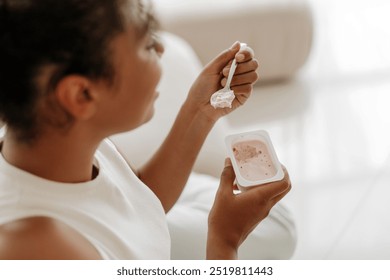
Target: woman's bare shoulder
x=43, y=238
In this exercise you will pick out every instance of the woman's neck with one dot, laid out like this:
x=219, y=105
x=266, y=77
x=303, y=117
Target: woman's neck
x=54, y=157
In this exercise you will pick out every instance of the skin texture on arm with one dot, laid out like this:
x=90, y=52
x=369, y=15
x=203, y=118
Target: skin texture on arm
x=233, y=217
x=42, y=238
x=168, y=170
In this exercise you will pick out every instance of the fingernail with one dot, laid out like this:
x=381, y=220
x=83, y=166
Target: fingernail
x=227, y=161
x=226, y=70
x=240, y=57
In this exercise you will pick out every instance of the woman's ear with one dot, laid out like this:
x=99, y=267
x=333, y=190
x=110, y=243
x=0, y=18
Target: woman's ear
x=75, y=95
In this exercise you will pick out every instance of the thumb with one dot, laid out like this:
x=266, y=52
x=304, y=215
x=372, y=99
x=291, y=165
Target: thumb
x=219, y=62
x=227, y=176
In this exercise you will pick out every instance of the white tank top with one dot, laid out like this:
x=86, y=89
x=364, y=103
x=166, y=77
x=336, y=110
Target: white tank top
x=116, y=212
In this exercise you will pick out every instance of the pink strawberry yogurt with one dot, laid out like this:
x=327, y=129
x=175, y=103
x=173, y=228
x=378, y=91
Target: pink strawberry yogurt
x=254, y=160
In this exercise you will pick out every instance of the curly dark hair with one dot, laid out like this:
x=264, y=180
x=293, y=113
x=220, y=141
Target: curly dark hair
x=72, y=36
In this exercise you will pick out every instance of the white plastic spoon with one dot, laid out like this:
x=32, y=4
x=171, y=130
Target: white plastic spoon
x=224, y=97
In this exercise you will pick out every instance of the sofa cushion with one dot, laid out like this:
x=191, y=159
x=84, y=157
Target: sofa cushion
x=280, y=31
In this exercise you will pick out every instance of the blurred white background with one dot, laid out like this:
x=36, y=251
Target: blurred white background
x=331, y=128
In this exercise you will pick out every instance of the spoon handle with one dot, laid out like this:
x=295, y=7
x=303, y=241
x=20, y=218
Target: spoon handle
x=231, y=73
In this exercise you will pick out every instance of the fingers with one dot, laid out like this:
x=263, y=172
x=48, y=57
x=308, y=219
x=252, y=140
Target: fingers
x=242, y=68
x=242, y=94
x=273, y=191
x=243, y=79
x=245, y=54
x=243, y=91
x=246, y=73
x=227, y=177
x=277, y=198
x=242, y=54
x=223, y=58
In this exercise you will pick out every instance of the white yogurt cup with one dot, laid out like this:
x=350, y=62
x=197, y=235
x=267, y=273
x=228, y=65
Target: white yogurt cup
x=254, y=159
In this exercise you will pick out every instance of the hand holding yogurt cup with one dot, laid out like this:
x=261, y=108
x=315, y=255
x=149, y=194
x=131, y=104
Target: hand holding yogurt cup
x=234, y=216
x=263, y=181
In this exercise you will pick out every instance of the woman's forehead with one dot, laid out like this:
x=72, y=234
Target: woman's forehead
x=139, y=13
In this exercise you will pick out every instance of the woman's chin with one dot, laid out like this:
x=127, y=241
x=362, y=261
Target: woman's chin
x=147, y=117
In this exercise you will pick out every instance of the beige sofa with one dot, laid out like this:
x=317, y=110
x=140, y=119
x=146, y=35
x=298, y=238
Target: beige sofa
x=280, y=31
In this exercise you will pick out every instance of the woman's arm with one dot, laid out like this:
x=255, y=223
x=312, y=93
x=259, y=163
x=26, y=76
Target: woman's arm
x=43, y=238
x=166, y=173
